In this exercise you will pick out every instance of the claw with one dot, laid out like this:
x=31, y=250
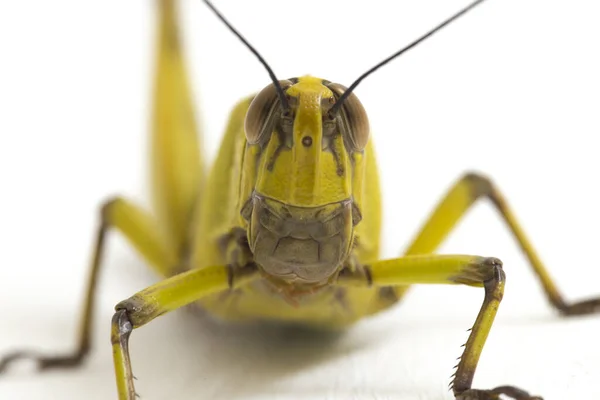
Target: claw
x=494, y=394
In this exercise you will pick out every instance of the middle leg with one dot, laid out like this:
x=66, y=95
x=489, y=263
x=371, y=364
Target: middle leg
x=140, y=229
x=457, y=202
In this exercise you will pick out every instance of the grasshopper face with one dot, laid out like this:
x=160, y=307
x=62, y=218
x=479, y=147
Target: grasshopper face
x=308, y=179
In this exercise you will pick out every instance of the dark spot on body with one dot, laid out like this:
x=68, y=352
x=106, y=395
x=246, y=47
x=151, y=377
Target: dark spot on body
x=307, y=141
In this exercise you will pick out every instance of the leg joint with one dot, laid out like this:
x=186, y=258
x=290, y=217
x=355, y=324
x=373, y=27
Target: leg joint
x=236, y=273
x=480, y=184
x=121, y=327
x=138, y=311
x=106, y=208
x=481, y=271
x=494, y=286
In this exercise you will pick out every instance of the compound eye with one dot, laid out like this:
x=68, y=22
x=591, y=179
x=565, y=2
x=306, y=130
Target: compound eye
x=263, y=113
x=353, y=120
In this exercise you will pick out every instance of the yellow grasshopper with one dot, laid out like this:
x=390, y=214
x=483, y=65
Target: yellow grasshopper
x=286, y=225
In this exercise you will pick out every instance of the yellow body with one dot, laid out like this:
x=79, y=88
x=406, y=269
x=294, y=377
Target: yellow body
x=230, y=181
x=286, y=224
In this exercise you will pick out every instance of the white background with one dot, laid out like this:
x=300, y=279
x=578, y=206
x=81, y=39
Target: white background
x=511, y=90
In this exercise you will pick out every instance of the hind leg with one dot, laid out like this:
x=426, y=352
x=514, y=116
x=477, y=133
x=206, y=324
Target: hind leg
x=177, y=168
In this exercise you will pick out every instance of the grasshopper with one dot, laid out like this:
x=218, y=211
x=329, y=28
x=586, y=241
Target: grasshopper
x=286, y=226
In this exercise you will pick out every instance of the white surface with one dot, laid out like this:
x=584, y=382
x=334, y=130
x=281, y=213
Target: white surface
x=511, y=90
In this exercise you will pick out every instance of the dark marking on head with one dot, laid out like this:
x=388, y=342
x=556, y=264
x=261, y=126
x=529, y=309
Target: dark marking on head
x=271, y=163
x=328, y=145
x=285, y=141
x=307, y=141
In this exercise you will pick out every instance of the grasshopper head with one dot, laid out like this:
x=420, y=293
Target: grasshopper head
x=308, y=172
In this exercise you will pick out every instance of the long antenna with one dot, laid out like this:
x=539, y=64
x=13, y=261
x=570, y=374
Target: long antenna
x=280, y=93
x=336, y=107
